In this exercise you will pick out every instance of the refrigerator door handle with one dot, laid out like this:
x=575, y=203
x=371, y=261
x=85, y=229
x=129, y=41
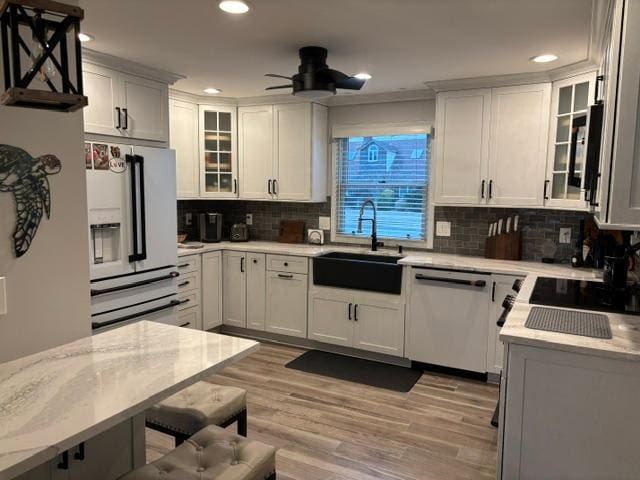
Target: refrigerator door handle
x=95, y=291
x=171, y=304
x=131, y=161
x=143, y=217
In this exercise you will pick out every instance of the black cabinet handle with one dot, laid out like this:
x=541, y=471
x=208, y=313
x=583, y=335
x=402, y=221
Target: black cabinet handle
x=282, y=275
x=119, y=114
x=126, y=119
x=546, y=186
x=355, y=312
x=493, y=292
x=255, y=260
x=286, y=264
x=64, y=464
x=269, y=186
x=184, y=284
x=183, y=265
x=482, y=188
x=350, y=305
x=79, y=455
x=242, y=264
x=275, y=184
x=490, y=188
x=95, y=291
x=457, y=281
x=235, y=186
x=185, y=324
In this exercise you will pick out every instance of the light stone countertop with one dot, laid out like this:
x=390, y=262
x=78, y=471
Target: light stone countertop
x=53, y=400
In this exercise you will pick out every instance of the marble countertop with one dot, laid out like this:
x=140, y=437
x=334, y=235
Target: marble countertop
x=53, y=400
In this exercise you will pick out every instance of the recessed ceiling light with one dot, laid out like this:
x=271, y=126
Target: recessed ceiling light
x=234, y=6
x=547, y=57
x=83, y=37
x=212, y=91
x=362, y=76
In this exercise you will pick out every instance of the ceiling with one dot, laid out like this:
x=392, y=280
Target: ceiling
x=402, y=43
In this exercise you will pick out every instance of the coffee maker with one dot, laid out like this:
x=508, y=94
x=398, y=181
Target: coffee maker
x=210, y=227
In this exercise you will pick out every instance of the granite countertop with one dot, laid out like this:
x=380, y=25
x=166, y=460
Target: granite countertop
x=53, y=400
x=414, y=258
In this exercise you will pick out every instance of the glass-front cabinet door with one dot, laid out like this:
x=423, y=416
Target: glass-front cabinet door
x=570, y=101
x=219, y=171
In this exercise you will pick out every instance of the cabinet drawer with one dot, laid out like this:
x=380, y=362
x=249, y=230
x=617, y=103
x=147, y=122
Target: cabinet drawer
x=189, y=299
x=190, y=318
x=287, y=263
x=189, y=281
x=188, y=264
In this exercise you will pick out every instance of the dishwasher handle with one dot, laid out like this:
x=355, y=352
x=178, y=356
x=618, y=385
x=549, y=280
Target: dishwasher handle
x=457, y=281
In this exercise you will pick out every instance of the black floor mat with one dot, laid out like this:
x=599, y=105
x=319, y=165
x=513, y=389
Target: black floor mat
x=375, y=374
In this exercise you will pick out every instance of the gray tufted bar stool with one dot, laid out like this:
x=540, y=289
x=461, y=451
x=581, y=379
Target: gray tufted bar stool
x=212, y=453
x=202, y=404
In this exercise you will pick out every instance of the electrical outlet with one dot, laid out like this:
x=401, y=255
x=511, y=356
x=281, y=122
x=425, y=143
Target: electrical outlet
x=188, y=218
x=443, y=229
x=3, y=296
x=324, y=223
x=249, y=218
x=565, y=235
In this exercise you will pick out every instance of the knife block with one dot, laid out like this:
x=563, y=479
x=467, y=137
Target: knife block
x=506, y=246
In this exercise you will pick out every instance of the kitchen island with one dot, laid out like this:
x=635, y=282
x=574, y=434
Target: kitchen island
x=53, y=401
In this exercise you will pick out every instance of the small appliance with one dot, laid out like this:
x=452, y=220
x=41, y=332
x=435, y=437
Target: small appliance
x=315, y=236
x=210, y=227
x=239, y=232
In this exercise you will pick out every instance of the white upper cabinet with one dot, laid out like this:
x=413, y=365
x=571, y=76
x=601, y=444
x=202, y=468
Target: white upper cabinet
x=462, y=146
x=283, y=152
x=491, y=146
x=518, y=144
x=124, y=105
x=255, y=151
x=570, y=100
x=218, y=163
x=184, y=140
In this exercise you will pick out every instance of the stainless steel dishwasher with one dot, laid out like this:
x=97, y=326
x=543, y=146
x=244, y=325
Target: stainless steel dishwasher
x=448, y=317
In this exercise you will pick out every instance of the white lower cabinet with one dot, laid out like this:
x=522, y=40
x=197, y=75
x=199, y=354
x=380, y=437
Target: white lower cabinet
x=189, y=313
x=256, y=290
x=211, y=290
x=287, y=304
x=234, y=289
x=367, y=321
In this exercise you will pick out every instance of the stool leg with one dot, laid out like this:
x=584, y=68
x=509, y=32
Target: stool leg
x=242, y=423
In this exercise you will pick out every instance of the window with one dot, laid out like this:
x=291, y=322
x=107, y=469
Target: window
x=393, y=171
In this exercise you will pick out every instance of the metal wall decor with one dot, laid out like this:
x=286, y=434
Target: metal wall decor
x=42, y=34
x=26, y=178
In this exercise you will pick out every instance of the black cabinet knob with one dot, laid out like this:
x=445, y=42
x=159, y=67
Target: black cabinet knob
x=286, y=264
x=255, y=261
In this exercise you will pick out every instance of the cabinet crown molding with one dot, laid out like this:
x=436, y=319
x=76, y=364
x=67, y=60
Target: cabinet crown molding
x=129, y=67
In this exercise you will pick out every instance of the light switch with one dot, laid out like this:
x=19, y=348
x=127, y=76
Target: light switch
x=3, y=296
x=443, y=229
x=249, y=218
x=565, y=235
x=324, y=223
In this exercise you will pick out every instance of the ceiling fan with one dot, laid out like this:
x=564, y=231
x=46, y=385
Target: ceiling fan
x=315, y=78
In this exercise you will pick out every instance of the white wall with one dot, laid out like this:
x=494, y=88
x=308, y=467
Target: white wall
x=48, y=287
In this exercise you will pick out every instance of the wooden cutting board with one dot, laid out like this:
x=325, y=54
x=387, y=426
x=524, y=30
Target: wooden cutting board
x=291, y=231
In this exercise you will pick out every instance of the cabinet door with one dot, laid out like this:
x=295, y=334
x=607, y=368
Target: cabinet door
x=518, y=144
x=292, y=125
x=234, y=289
x=147, y=108
x=211, y=290
x=331, y=318
x=101, y=86
x=255, y=151
x=462, y=146
x=379, y=326
x=190, y=318
x=287, y=304
x=184, y=140
x=256, y=290
x=502, y=286
x=218, y=163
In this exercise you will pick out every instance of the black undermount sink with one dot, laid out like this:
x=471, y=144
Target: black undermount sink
x=359, y=271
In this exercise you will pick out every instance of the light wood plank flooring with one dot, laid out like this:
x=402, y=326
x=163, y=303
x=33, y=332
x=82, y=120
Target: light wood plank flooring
x=329, y=429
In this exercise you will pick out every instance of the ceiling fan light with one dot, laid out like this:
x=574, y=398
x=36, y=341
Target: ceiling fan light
x=236, y=7
x=362, y=76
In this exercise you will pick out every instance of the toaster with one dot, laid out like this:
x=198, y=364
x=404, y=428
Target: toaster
x=239, y=232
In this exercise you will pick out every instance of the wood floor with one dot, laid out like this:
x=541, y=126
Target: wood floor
x=329, y=429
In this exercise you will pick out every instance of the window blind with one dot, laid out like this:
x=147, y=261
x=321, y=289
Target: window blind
x=391, y=170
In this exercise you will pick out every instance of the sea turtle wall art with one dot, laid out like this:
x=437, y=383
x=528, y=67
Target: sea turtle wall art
x=26, y=178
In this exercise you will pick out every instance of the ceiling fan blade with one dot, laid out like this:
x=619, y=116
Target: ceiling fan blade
x=351, y=83
x=279, y=86
x=275, y=75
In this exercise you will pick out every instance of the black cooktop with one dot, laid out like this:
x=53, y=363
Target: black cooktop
x=584, y=295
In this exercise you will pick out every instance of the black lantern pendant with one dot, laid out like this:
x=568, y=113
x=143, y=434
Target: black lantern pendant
x=37, y=36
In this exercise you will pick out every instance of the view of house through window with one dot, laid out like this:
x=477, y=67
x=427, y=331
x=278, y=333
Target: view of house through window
x=391, y=170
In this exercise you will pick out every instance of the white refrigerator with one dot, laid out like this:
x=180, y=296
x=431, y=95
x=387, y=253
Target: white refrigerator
x=131, y=193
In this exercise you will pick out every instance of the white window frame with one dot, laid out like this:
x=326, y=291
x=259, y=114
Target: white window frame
x=342, y=131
